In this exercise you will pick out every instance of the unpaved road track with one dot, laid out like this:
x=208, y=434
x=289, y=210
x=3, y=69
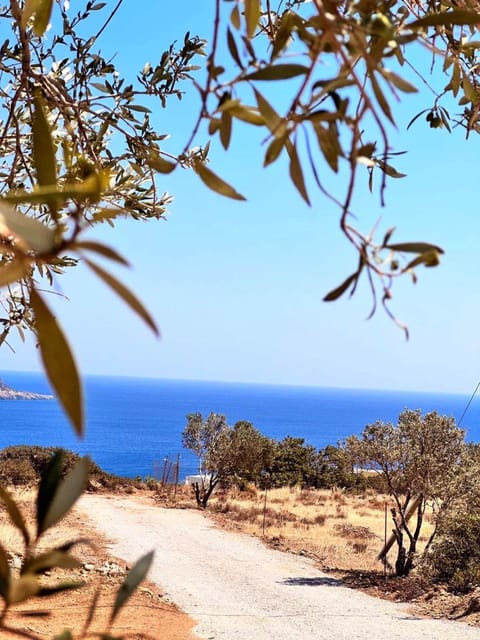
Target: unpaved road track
x=237, y=589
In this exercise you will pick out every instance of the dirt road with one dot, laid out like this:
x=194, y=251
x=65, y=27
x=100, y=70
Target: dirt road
x=237, y=589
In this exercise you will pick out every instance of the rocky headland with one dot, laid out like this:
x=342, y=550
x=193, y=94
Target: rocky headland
x=7, y=393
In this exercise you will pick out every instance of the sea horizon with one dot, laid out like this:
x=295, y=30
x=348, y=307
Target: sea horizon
x=133, y=423
x=84, y=376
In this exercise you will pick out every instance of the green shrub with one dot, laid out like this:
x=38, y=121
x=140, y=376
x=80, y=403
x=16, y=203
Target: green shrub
x=455, y=556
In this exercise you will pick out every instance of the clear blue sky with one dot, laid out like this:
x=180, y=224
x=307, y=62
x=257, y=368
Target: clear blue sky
x=237, y=288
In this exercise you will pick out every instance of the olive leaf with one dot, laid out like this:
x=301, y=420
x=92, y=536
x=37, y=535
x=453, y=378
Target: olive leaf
x=58, y=361
x=135, y=576
x=66, y=494
x=123, y=292
x=215, y=183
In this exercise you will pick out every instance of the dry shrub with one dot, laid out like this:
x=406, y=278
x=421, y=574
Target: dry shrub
x=363, y=513
x=354, y=531
x=359, y=547
x=339, y=497
x=376, y=503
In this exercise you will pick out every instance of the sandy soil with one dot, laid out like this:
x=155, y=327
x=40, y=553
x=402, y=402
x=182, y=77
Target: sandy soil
x=236, y=588
x=149, y=614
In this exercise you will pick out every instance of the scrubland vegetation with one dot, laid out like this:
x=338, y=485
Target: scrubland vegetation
x=341, y=530
x=405, y=495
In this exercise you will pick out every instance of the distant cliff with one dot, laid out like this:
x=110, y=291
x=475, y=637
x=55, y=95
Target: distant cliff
x=7, y=393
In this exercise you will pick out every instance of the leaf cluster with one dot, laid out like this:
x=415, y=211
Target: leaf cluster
x=57, y=493
x=342, y=68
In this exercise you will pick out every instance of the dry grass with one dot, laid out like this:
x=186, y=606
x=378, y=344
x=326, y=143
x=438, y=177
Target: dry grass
x=342, y=531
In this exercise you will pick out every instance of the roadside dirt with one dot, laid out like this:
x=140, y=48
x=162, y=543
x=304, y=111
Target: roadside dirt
x=236, y=588
x=149, y=614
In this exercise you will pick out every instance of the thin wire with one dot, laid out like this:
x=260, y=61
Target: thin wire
x=468, y=404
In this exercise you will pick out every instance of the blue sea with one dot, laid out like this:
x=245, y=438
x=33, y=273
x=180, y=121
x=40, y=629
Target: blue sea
x=133, y=424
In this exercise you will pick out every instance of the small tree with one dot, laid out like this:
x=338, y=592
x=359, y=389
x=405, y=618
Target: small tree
x=208, y=439
x=224, y=453
x=419, y=458
x=294, y=463
x=251, y=453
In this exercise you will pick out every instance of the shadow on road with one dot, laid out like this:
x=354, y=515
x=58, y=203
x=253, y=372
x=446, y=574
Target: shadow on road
x=313, y=582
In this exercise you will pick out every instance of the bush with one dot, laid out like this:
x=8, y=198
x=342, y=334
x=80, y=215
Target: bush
x=455, y=557
x=24, y=465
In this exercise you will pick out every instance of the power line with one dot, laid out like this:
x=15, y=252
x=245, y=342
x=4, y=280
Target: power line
x=468, y=404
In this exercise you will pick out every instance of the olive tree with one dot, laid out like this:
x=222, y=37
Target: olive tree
x=419, y=458
x=225, y=454
x=78, y=148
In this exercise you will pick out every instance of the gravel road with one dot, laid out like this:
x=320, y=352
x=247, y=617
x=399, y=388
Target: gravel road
x=238, y=589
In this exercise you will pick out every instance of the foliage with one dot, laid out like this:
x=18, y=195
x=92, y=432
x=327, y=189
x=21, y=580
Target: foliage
x=24, y=465
x=454, y=553
x=419, y=458
x=242, y=454
x=225, y=454
x=78, y=150
x=294, y=463
x=57, y=493
x=455, y=556
x=343, y=67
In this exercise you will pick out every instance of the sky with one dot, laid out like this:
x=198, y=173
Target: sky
x=236, y=288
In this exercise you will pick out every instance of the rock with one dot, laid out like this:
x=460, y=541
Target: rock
x=7, y=393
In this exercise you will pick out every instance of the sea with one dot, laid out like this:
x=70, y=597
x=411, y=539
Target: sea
x=134, y=425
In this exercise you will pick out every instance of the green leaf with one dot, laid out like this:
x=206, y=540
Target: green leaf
x=58, y=361
x=429, y=259
x=100, y=86
x=43, y=149
x=296, y=172
x=140, y=108
x=327, y=138
x=67, y=493
x=235, y=17
x=90, y=189
x=247, y=114
x=272, y=119
x=232, y=47
x=14, y=271
x=278, y=72
x=252, y=16
x=388, y=169
x=273, y=151
x=127, y=296
x=50, y=560
x=399, y=82
x=65, y=635
x=155, y=161
x=381, y=98
x=5, y=575
x=226, y=129
x=135, y=576
x=215, y=183
x=414, y=247
x=36, y=235
x=340, y=290
x=41, y=10
x=48, y=486
x=15, y=514
x=22, y=589
x=101, y=249
x=457, y=16
x=46, y=592
x=469, y=90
